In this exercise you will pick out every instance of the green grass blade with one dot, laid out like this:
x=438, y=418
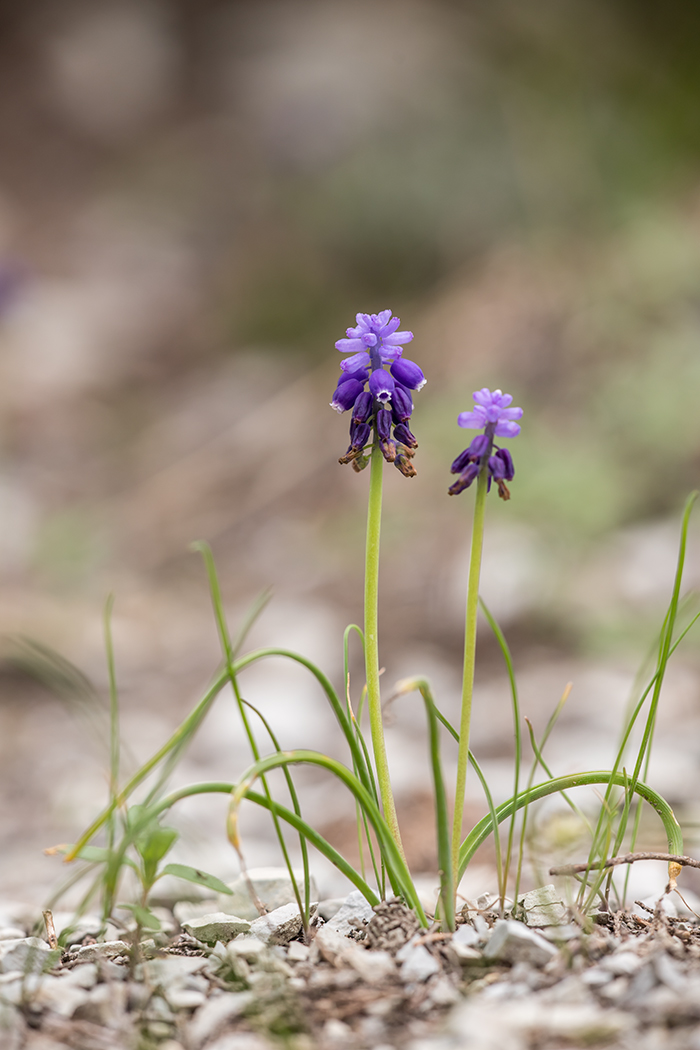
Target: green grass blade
x=297, y=809
x=396, y=865
x=481, y=831
x=297, y=823
x=227, y=649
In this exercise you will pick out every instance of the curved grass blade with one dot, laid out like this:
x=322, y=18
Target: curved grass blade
x=396, y=865
x=481, y=831
x=314, y=838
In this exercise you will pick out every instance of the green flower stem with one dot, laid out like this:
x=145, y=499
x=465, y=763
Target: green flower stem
x=374, y=703
x=469, y=660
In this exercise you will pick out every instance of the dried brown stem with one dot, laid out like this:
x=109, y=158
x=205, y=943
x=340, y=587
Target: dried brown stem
x=627, y=858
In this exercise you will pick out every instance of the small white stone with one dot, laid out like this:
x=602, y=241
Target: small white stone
x=337, y=1032
x=622, y=964
x=184, y=998
x=216, y=926
x=373, y=967
x=544, y=907
x=466, y=935
x=298, y=952
x=443, y=992
x=60, y=996
x=354, y=913
x=513, y=942
x=102, y=950
x=279, y=926
x=214, y=1014
x=417, y=964
x=171, y=969
x=28, y=955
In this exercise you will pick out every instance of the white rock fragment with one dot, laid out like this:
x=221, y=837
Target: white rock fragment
x=89, y=953
x=353, y=914
x=464, y=943
x=298, y=952
x=105, y=1005
x=513, y=942
x=170, y=970
x=373, y=967
x=179, y=998
x=544, y=907
x=337, y=1033
x=214, y=1014
x=417, y=964
x=514, y=1024
x=279, y=926
x=28, y=955
x=330, y=907
x=61, y=996
x=622, y=964
x=443, y=992
x=216, y=926
x=272, y=886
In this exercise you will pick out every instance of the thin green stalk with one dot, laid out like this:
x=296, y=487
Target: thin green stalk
x=374, y=520
x=469, y=661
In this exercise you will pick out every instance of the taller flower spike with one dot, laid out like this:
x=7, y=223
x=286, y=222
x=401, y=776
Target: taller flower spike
x=376, y=383
x=492, y=412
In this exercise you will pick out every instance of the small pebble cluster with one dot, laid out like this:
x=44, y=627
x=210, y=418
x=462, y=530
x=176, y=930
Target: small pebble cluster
x=369, y=978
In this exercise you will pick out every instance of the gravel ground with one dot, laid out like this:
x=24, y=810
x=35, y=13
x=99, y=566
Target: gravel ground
x=362, y=979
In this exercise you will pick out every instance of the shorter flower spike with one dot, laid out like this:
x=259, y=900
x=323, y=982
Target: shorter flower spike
x=492, y=412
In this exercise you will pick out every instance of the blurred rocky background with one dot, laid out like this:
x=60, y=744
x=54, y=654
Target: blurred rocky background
x=195, y=200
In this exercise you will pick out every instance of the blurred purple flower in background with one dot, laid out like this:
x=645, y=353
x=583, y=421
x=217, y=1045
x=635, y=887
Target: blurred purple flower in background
x=491, y=412
x=372, y=344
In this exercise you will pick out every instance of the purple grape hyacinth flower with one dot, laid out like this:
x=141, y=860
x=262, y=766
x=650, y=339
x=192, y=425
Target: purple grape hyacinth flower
x=492, y=412
x=379, y=396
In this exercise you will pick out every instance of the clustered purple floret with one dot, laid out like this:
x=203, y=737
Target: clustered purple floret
x=491, y=412
x=379, y=399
